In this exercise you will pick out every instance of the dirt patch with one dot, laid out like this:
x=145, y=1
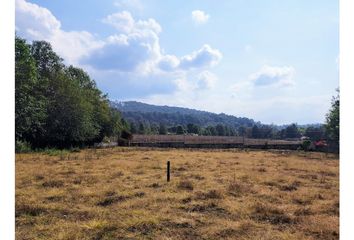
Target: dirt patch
x=53, y=184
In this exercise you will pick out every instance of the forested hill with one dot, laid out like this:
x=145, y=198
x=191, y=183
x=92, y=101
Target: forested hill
x=171, y=116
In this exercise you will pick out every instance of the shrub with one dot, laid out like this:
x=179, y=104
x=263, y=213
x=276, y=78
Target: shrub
x=22, y=147
x=306, y=145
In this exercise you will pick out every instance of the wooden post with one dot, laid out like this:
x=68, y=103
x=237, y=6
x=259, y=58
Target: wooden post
x=168, y=171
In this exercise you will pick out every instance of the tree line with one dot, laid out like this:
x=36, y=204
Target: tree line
x=57, y=105
x=150, y=119
x=256, y=131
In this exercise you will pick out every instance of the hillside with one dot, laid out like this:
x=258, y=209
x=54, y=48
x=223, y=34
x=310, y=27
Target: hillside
x=141, y=112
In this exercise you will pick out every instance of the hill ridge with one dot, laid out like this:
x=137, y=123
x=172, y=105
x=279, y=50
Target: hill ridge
x=135, y=111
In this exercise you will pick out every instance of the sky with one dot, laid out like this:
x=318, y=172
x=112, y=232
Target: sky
x=274, y=61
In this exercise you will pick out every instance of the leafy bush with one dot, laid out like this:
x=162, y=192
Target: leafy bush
x=306, y=145
x=22, y=147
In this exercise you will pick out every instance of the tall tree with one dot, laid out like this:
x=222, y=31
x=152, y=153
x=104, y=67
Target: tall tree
x=58, y=106
x=292, y=131
x=241, y=130
x=179, y=130
x=315, y=133
x=133, y=128
x=193, y=128
x=332, y=120
x=212, y=131
x=30, y=106
x=141, y=129
x=255, y=132
x=220, y=129
x=162, y=129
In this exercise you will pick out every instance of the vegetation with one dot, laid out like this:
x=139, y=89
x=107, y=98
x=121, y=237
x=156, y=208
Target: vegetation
x=122, y=193
x=150, y=115
x=332, y=121
x=163, y=120
x=57, y=105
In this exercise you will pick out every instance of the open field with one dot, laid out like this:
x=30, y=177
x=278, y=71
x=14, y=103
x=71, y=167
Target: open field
x=122, y=193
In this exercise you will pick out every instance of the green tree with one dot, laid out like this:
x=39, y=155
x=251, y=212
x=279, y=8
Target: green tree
x=255, y=132
x=47, y=61
x=133, y=128
x=162, y=129
x=179, y=130
x=220, y=130
x=141, y=129
x=154, y=128
x=206, y=132
x=58, y=106
x=315, y=133
x=30, y=106
x=70, y=119
x=212, y=131
x=332, y=120
x=241, y=130
x=192, y=128
x=290, y=131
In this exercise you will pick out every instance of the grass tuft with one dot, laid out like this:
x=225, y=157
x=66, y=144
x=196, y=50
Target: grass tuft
x=53, y=184
x=185, y=185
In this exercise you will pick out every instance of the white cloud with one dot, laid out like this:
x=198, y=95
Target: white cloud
x=140, y=41
x=122, y=21
x=273, y=76
x=200, y=17
x=132, y=57
x=183, y=85
x=169, y=63
x=204, y=57
x=135, y=49
x=35, y=19
x=37, y=23
x=206, y=80
x=124, y=53
x=150, y=24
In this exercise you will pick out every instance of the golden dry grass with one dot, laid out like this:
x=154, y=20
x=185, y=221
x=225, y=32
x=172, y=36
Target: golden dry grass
x=122, y=193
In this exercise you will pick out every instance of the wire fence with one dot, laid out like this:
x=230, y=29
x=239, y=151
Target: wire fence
x=188, y=139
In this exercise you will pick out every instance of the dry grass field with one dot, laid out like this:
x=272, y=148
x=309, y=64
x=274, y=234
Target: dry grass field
x=122, y=193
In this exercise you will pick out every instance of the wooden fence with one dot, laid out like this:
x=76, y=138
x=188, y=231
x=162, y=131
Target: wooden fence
x=188, y=140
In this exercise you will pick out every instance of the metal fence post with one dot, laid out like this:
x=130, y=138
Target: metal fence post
x=168, y=171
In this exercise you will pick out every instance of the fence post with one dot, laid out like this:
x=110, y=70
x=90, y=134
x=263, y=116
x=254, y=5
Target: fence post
x=168, y=171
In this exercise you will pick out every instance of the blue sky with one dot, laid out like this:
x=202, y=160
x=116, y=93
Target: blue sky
x=274, y=61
